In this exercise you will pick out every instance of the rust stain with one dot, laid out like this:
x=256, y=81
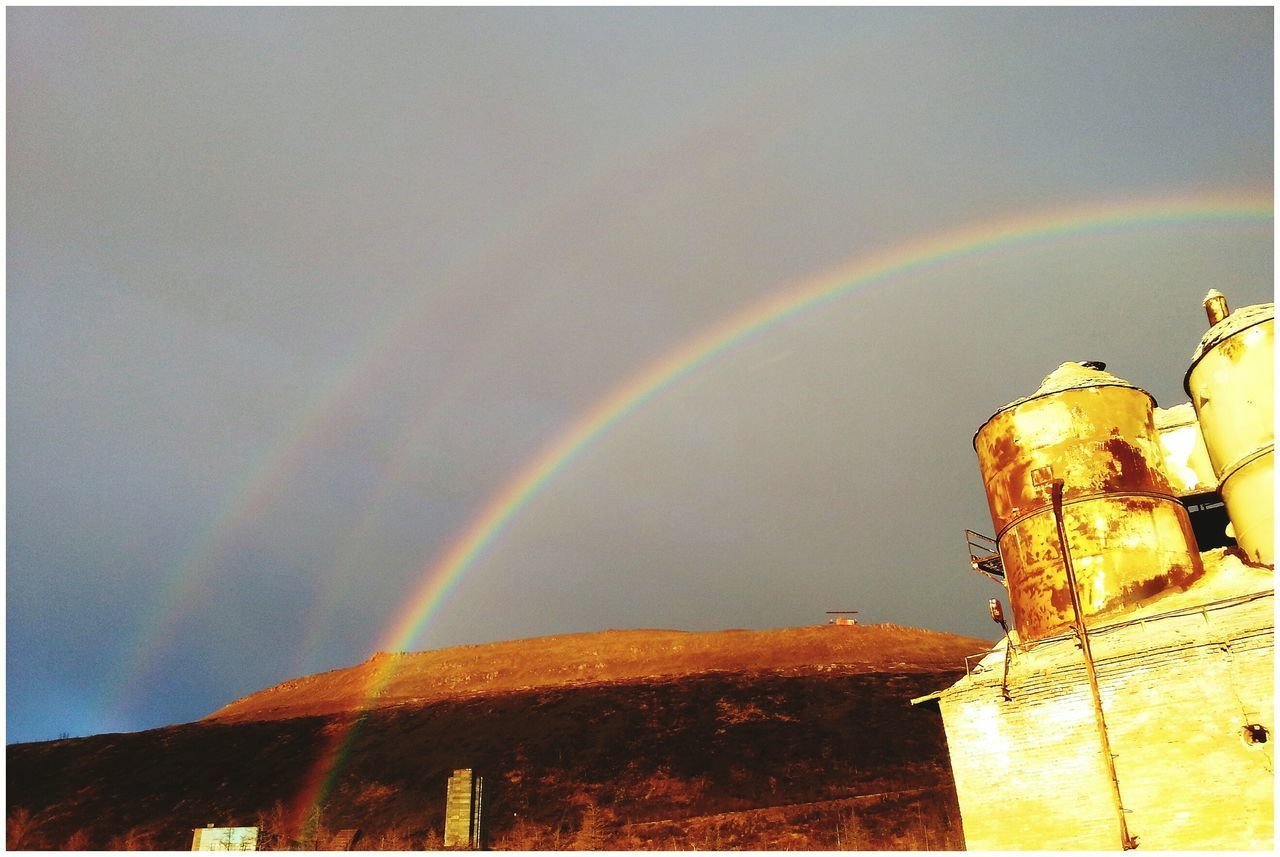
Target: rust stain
x=1004, y=450
x=1145, y=588
x=1232, y=348
x=1008, y=463
x=1128, y=467
x=1132, y=505
x=1060, y=598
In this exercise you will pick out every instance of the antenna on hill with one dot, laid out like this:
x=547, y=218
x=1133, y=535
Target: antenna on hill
x=842, y=617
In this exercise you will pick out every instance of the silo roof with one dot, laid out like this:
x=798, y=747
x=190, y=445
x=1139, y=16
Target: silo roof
x=1068, y=376
x=1074, y=376
x=1241, y=319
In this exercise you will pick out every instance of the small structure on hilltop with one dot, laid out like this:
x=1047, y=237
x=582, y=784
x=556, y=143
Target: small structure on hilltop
x=462, y=814
x=842, y=617
x=1132, y=703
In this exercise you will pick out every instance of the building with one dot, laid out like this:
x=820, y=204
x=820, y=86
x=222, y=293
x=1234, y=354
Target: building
x=463, y=802
x=1132, y=704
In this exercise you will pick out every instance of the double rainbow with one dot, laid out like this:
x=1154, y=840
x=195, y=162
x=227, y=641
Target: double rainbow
x=442, y=575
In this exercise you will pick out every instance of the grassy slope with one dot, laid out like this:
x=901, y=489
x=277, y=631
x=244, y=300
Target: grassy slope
x=605, y=656
x=679, y=761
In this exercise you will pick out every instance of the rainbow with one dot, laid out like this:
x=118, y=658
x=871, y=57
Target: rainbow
x=268, y=473
x=442, y=575
x=249, y=496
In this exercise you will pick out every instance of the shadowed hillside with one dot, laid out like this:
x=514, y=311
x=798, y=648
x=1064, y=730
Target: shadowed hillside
x=738, y=750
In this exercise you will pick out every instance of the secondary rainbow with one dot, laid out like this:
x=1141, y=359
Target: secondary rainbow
x=444, y=573
x=983, y=239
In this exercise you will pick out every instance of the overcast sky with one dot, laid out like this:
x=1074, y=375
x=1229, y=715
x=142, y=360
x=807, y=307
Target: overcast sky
x=292, y=293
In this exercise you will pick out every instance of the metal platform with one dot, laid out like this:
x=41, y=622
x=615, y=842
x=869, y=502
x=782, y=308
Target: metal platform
x=984, y=556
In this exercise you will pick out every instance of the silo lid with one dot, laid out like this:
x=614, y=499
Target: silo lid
x=1075, y=376
x=1068, y=376
x=1241, y=319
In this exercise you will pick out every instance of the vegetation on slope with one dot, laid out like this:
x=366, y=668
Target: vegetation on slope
x=605, y=656
x=824, y=757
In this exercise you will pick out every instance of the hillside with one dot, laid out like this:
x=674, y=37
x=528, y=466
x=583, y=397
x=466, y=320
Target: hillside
x=656, y=740
x=603, y=656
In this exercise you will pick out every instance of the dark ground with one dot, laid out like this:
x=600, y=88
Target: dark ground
x=719, y=760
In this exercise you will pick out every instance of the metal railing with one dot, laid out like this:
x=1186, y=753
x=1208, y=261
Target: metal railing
x=984, y=555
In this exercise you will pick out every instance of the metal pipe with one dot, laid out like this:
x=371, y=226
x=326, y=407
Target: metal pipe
x=1127, y=842
x=1008, y=658
x=1215, y=306
x=477, y=835
x=997, y=613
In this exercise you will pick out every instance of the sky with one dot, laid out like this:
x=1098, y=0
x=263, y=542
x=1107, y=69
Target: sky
x=294, y=294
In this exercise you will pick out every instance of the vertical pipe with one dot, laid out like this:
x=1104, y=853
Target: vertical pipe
x=1127, y=842
x=1004, y=680
x=997, y=613
x=477, y=842
x=1215, y=306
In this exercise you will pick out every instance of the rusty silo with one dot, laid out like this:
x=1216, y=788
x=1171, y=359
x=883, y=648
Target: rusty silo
x=1130, y=537
x=1231, y=382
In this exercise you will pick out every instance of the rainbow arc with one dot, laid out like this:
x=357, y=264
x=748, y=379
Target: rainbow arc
x=1045, y=228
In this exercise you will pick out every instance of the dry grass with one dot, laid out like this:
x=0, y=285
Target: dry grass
x=605, y=656
x=921, y=820
x=133, y=839
x=647, y=764
x=21, y=830
x=77, y=841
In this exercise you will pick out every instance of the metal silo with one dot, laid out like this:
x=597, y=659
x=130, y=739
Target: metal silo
x=1186, y=459
x=1129, y=536
x=1231, y=382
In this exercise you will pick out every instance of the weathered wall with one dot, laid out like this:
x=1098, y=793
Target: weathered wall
x=459, y=810
x=1177, y=689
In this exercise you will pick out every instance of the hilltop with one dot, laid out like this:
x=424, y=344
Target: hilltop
x=575, y=660
x=791, y=738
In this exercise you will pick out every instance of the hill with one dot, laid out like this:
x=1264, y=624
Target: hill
x=603, y=656
x=616, y=740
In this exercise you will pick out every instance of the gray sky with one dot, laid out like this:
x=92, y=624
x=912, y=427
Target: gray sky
x=292, y=293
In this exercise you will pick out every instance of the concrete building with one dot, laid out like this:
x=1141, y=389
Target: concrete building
x=1132, y=704
x=462, y=816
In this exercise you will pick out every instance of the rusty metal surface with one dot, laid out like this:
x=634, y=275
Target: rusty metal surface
x=1129, y=535
x=1098, y=440
x=1232, y=385
x=1127, y=549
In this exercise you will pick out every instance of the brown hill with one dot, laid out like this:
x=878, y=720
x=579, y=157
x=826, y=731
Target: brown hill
x=739, y=742
x=603, y=656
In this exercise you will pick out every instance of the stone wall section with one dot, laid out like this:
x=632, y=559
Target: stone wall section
x=459, y=812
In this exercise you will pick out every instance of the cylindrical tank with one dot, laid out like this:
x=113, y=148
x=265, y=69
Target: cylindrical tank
x=1129, y=537
x=1186, y=460
x=1231, y=382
